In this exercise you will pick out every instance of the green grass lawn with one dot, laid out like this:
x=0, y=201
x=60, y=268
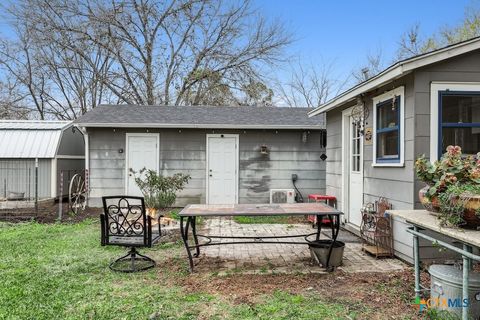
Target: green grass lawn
x=60, y=271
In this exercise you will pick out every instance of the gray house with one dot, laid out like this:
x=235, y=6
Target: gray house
x=416, y=106
x=56, y=146
x=233, y=154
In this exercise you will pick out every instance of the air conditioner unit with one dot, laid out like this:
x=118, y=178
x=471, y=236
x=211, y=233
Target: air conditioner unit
x=282, y=196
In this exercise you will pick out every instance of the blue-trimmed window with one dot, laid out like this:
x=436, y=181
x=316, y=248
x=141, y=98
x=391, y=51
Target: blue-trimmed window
x=388, y=131
x=459, y=121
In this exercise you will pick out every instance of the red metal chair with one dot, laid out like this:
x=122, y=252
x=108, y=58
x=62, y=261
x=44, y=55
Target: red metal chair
x=327, y=199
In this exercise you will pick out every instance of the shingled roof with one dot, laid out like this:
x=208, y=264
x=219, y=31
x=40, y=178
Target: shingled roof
x=207, y=117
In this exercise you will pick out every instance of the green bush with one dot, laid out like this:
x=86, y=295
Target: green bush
x=159, y=191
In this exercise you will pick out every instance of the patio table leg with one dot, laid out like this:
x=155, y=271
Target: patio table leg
x=335, y=225
x=319, y=226
x=416, y=259
x=331, y=225
x=466, y=270
x=184, y=233
x=195, y=238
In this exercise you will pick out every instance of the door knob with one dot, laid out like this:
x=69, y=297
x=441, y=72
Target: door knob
x=210, y=175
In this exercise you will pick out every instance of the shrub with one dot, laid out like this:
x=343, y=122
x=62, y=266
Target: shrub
x=159, y=191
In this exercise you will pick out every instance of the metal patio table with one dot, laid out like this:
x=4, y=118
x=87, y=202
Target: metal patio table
x=422, y=220
x=190, y=213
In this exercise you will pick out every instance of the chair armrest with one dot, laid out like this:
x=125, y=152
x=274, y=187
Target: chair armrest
x=148, y=231
x=103, y=225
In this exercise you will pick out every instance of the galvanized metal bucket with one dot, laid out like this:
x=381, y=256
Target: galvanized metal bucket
x=446, y=290
x=319, y=251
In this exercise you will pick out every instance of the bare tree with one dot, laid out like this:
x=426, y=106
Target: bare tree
x=175, y=52
x=56, y=82
x=11, y=99
x=373, y=65
x=309, y=85
x=413, y=43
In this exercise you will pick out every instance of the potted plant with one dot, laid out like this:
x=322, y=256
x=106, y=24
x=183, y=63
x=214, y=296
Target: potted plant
x=159, y=191
x=453, y=187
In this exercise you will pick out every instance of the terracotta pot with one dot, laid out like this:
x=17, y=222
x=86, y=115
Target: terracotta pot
x=469, y=215
x=432, y=205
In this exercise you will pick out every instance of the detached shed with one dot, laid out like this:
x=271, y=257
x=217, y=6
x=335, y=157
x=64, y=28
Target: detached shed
x=233, y=154
x=56, y=145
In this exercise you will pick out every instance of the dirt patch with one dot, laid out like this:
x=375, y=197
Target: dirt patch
x=47, y=212
x=386, y=296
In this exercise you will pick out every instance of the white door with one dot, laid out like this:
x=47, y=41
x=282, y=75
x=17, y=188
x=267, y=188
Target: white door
x=355, y=175
x=222, y=164
x=142, y=152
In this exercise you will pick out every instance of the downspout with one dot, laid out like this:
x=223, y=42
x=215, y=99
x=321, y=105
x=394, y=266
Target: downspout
x=83, y=130
x=53, y=177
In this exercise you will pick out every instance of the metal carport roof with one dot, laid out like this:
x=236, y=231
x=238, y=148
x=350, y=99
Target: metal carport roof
x=30, y=139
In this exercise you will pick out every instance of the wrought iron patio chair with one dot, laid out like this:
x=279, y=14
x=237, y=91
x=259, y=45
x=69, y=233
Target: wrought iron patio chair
x=124, y=222
x=376, y=229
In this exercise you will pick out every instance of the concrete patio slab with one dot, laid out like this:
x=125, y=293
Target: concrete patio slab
x=279, y=258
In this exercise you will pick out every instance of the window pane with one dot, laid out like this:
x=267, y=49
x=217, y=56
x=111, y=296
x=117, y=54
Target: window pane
x=461, y=108
x=467, y=138
x=387, y=144
x=387, y=114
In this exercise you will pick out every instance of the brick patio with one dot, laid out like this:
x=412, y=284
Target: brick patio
x=280, y=258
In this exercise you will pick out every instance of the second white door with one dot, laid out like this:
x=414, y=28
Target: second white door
x=142, y=152
x=222, y=172
x=355, y=186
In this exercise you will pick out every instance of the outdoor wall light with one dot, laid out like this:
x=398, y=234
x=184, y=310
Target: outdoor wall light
x=263, y=149
x=120, y=150
x=305, y=136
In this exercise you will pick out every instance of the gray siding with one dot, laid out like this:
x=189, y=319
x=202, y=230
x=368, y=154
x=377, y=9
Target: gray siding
x=400, y=185
x=465, y=68
x=393, y=183
x=333, y=174
x=185, y=151
x=18, y=175
x=396, y=184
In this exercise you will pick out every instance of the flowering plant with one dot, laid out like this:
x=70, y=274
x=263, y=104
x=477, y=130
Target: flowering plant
x=453, y=180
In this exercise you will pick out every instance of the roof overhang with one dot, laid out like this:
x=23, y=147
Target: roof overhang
x=396, y=71
x=198, y=126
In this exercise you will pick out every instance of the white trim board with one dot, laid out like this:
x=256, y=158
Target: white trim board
x=201, y=126
x=237, y=162
x=345, y=161
x=435, y=87
x=400, y=91
x=138, y=134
